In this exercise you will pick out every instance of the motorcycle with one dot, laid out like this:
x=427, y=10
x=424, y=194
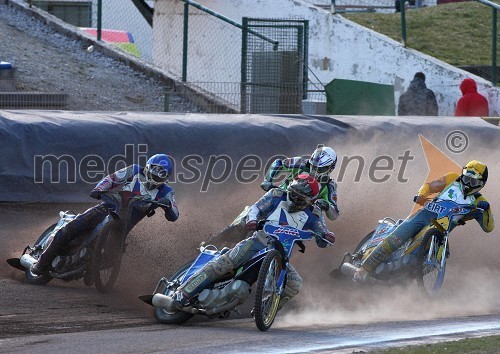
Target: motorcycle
x=94, y=255
x=268, y=268
x=423, y=257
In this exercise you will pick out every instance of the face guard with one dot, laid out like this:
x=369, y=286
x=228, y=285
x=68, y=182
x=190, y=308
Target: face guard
x=301, y=193
x=297, y=202
x=320, y=171
x=322, y=162
x=471, y=183
x=156, y=175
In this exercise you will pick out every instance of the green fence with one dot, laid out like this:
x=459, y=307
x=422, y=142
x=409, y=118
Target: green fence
x=348, y=97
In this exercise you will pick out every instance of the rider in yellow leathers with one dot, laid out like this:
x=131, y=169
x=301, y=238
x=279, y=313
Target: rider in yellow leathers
x=463, y=189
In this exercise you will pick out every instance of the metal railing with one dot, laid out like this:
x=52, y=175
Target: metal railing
x=188, y=3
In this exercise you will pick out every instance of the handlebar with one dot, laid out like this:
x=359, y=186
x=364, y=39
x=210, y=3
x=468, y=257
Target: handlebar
x=111, y=197
x=323, y=239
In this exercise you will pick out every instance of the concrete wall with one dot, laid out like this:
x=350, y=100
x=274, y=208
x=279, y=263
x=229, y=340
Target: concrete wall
x=124, y=16
x=342, y=49
x=214, y=47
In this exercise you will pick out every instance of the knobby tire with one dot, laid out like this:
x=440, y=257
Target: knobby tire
x=424, y=268
x=107, y=258
x=266, y=296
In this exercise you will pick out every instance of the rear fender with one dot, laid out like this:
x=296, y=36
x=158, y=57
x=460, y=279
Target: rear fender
x=203, y=258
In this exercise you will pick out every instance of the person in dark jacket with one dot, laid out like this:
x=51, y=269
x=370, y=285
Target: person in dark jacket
x=472, y=103
x=418, y=100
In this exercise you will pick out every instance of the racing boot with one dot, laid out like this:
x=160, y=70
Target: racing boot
x=44, y=263
x=38, y=269
x=196, y=283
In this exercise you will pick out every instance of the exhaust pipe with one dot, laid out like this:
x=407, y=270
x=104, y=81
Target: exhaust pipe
x=167, y=303
x=27, y=261
x=348, y=269
x=164, y=302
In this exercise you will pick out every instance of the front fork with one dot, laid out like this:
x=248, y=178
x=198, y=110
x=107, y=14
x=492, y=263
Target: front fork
x=441, y=255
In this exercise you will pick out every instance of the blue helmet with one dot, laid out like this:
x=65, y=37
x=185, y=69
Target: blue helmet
x=157, y=170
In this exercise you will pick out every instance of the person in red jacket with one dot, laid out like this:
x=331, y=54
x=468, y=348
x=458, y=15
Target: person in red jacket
x=472, y=103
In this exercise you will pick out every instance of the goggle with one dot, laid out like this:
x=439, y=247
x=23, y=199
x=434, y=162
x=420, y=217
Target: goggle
x=320, y=170
x=471, y=182
x=298, y=199
x=158, y=173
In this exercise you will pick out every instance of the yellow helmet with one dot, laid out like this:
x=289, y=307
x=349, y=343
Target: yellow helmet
x=474, y=177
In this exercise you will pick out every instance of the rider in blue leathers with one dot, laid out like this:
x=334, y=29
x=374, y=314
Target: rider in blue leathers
x=148, y=181
x=293, y=207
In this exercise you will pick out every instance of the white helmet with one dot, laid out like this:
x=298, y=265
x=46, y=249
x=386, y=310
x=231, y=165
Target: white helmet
x=322, y=161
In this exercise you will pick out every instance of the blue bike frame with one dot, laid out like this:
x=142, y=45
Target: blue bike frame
x=286, y=238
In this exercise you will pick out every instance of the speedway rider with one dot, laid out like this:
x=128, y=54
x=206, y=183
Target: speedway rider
x=462, y=189
x=149, y=181
x=320, y=164
x=293, y=207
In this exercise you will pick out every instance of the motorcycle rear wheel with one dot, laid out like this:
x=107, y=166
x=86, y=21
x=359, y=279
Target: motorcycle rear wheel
x=363, y=241
x=266, y=294
x=176, y=317
x=107, y=257
x=41, y=279
x=429, y=275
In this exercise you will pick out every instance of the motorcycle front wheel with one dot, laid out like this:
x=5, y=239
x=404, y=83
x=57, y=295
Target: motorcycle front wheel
x=107, y=257
x=430, y=274
x=41, y=279
x=173, y=317
x=266, y=294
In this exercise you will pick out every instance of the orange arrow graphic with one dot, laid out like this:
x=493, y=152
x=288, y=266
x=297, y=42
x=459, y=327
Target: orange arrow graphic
x=438, y=162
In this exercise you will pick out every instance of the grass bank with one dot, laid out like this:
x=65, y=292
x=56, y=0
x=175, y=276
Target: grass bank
x=459, y=34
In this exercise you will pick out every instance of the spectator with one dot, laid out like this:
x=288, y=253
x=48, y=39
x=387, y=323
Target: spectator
x=418, y=100
x=472, y=103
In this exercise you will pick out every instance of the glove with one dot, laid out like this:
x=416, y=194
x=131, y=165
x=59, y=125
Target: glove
x=266, y=185
x=251, y=225
x=96, y=194
x=323, y=204
x=167, y=203
x=330, y=237
x=483, y=205
x=419, y=199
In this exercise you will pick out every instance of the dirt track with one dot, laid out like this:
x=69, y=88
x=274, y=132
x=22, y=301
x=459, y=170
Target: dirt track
x=71, y=307
x=156, y=247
